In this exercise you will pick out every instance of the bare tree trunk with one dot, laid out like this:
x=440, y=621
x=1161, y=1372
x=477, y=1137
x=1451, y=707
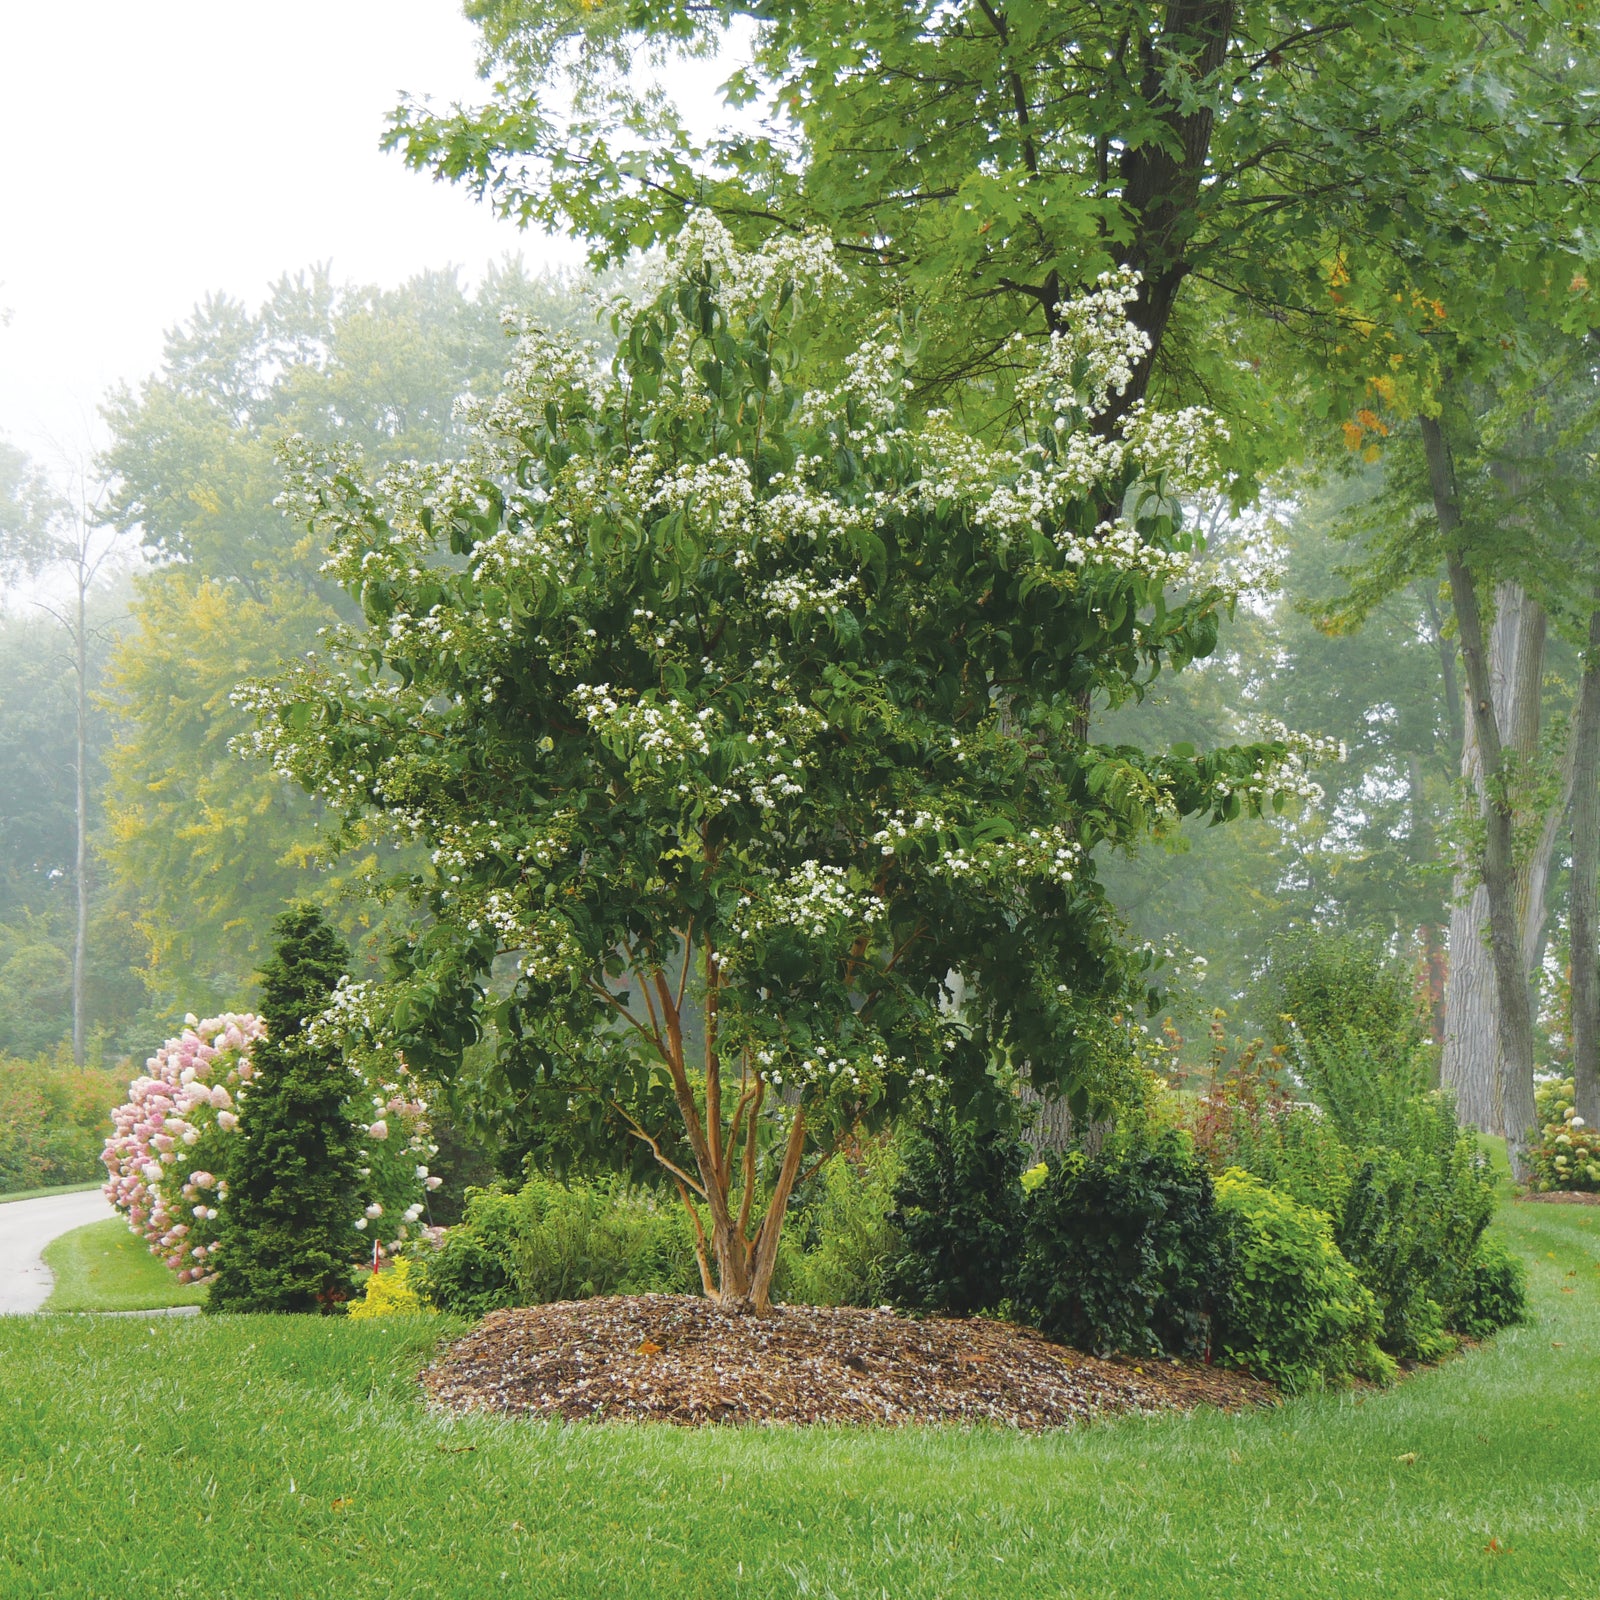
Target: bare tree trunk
x=1515, y=1030
x=1469, y=1065
x=1430, y=963
x=766, y=1241
x=1585, y=890
x=80, y=942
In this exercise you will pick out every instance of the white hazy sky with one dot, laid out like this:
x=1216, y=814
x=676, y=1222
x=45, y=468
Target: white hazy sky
x=156, y=150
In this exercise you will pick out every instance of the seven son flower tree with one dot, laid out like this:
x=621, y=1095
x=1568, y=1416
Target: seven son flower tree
x=742, y=715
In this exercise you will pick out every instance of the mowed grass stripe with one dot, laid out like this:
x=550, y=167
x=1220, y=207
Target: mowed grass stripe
x=104, y=1267
x=274, y=1457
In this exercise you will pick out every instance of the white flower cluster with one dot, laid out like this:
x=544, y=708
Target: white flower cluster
x=543, y=942
x=354, y=1009
x=823, y=1068
x=1049, y=852
x=875, y=379
x=1015, y=492
x=901, y=828
x=1120, y=545
x=815, y=899
x=750, y=279
x=660, y=731
x=1095, y=351
x=1309, y=747
x=770, y=761
x=547, y=369
x=1290, y=775
x=797, y=594
x=719, y=491
x=1178, y=447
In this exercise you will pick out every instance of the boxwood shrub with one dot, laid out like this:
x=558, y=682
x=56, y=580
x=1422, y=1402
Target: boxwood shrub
x=1121, y=1252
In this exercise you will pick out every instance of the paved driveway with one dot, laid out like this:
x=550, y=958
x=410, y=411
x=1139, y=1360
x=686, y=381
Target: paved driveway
x=26, y=1227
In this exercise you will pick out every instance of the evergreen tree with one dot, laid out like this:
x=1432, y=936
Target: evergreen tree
x=294, y=1191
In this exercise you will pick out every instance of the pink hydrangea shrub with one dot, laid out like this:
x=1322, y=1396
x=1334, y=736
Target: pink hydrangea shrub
x=168, y=1150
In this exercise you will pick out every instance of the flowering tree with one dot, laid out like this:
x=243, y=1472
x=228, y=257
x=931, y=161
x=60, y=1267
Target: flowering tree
x=744, y=714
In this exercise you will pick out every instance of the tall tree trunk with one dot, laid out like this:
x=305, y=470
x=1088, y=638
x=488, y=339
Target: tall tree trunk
x=1163, y=177
x=1469, y=1065
x=1585, y=892
x=80, y=942
x=1431, y=966
x=1515, y=1028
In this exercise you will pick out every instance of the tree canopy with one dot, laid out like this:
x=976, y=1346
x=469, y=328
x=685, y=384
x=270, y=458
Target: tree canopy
x=1290, y=172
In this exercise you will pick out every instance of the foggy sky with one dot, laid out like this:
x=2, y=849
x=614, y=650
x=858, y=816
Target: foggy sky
x=158, y=150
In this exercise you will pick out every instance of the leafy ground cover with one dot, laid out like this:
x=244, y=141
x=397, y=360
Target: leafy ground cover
x=104, y=1267
x=251, y=1459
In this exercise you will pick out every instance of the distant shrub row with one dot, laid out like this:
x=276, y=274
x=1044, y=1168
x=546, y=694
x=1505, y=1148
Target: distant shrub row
x=53, y=1121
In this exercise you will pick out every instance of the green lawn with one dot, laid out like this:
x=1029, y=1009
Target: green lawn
x=235, y=1459
x=104, y=1267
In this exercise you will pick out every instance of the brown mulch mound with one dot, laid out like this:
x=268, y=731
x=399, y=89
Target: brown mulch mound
x=1565, y=1197
x=678, y=1358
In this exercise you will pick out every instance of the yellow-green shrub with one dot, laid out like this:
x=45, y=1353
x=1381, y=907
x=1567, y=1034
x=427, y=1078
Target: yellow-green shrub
x=391, y=1292
x=1295, y=1311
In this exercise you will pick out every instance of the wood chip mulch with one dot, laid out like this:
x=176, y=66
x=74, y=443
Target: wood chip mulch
x=678, y=1358
x=1565, y=1197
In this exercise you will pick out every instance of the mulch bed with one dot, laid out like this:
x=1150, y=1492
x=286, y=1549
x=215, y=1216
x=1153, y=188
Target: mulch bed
x=1565, y=1197
x=678, y=1358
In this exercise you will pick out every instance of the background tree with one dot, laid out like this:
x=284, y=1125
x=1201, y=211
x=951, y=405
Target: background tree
x=207, y=847
x=53, y=538
x=1367, y=855
x=288, y=1236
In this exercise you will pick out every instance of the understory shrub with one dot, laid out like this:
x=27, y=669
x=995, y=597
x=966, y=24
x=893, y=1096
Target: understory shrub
x=1408, y=1192
x=173, y=1137
x=958, y=1215
x=1495, y=1294
x=1319, y=984
x=1251, y=1122
x=1567, y=1153
x=292, y=1213
x=840, y=1239
x=1295, y=1310
x=473, y=1270
x=1420, y=1191
x=1122, y=1251
x=552, y=1241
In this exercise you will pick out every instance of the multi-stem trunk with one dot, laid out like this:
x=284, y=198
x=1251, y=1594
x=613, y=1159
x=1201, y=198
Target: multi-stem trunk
x=1584, y=918
x=737, y=1253
x=1515, y=1028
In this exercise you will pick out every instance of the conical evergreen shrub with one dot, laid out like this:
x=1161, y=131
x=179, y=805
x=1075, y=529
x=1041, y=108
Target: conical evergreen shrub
x=288, y=1232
